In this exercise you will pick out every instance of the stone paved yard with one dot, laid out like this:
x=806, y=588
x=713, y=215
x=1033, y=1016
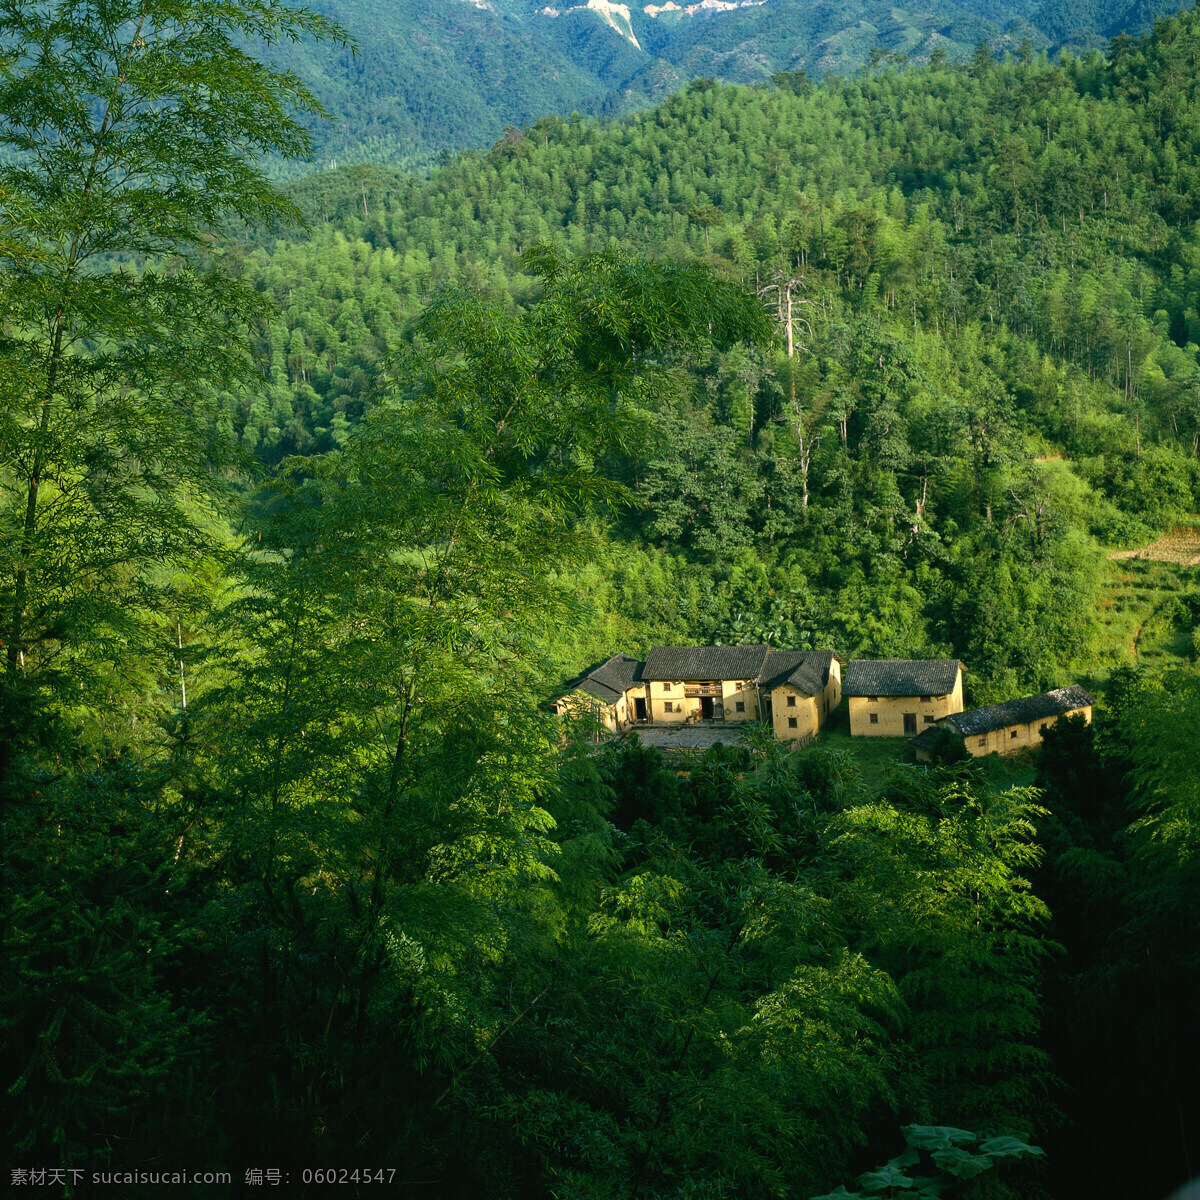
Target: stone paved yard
x=689, y=737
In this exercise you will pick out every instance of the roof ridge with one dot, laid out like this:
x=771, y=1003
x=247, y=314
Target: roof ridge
x=901, y=676
x=1021, y=710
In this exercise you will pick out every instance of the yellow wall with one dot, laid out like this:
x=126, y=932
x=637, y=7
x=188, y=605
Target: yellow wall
x=660, y=694
x=688, y=707
x=1002, y=741
x=811, y=712
x=891, y=709
x=731, y=692
x=806, y=711
x=833, y=689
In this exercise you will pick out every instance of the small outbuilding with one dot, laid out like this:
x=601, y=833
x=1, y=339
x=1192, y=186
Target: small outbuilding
x=1016, y=724
x=900, y=697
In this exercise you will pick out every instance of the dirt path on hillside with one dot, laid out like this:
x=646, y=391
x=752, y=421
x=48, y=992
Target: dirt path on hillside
x=1154, y=612
x=1137, y=636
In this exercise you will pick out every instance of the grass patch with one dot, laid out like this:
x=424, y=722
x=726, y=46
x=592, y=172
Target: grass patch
x=1131, y=628
x=874, y=757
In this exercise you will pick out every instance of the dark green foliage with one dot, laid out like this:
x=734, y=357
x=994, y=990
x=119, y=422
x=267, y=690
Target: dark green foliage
x=937, y=1160
x=948, y=853
x=1120, y=876
x=948, y=747
x=102, y=1041
x=730, y=980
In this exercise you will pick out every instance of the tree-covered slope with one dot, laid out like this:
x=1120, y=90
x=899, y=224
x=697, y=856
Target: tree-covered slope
x=296, y=865
x=993, y=273
x=432, y=75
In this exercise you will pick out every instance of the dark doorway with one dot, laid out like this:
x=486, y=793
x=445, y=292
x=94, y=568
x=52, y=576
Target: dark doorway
x=910, y=722
x=639, y=708
x=706, y=708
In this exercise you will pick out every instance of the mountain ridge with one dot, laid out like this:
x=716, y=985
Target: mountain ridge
x=435, y=77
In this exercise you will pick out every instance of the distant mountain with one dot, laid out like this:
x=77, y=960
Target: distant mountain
x=443, y=75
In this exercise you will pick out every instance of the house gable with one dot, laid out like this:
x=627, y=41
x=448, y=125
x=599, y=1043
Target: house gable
x=804, y=688
x=604, y=690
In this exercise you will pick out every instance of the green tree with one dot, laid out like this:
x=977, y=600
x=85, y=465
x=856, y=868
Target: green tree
x=389, y=799
x=960, y=933
x=133, y=133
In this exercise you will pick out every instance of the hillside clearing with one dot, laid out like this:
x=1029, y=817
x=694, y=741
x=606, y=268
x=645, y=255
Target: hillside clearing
x=1180, y=546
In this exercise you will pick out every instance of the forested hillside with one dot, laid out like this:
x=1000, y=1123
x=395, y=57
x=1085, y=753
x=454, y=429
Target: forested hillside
x=993, y=277
x=437, y=75
x=301, y=530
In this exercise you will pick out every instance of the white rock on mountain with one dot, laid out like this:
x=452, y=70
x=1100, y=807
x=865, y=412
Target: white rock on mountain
x=704, y=6
x=615, y=15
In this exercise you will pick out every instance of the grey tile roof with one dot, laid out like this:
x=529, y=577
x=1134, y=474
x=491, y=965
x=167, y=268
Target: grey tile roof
x=807, y=670
x=609, y=680
x=925, y=739
x=695, y=663
x=900, y=677
x=976, y=721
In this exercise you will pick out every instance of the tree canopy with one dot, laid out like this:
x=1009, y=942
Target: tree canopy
x=134, y=131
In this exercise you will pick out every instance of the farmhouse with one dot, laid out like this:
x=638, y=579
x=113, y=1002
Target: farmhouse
x=604, y=692
x=793, y=690
x=899, y=697
x=1015, y=724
